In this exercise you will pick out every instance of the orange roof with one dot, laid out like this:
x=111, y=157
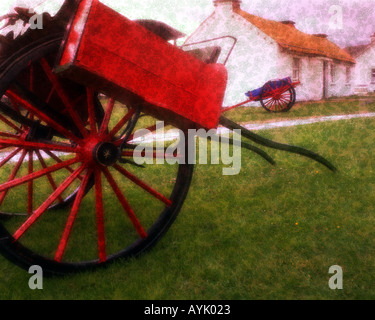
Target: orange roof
x=292, y=39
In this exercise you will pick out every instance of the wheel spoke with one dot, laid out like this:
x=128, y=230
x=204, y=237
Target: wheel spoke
x=37, y=145
x=143, y=185
x=276, y=105
x=49, y=176
x=64, y=98
x=42, y=116
x=8, y=135
x=285, y=99
x=58, y=160
x=72, y=217
x=9, y=157
x=15, y=106
x=51, y=92
x=268, y=102
x=124, y=203
x=283, y=104
x=30, y=185
x=100, y=215
x=107, y=116
x=286, y=93
x=13, y=175
x=52, y=198
x=272, y=105
x=280, y=104
x=16, y=115
x=121, y=123
x=10, y=124
x=37, y=174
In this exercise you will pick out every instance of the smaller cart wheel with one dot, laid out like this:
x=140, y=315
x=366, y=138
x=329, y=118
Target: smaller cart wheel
x=278, y=99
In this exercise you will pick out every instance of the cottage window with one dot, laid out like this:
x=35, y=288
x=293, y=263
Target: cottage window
x=333, y=73
x=372, y=75
x=348, y=74
x=296, y=69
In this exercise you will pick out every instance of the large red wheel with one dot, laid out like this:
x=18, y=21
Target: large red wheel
x=62, y=144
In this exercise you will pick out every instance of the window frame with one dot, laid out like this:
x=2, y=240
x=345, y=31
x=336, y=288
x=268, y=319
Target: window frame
x=372, y=75
x=296, y=69
x=333, y=73
x=348, y=75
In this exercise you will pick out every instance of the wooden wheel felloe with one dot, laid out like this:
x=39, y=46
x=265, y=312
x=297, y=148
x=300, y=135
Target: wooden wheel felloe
x=277, y=97
x=81, y=206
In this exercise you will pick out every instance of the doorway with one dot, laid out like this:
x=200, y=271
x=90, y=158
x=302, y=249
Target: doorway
x=325, y=79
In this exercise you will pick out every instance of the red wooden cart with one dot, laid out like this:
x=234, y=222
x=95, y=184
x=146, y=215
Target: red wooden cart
x=73, y=94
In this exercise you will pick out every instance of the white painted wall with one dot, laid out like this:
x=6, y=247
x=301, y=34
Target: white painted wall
x=340, y=87
x=362, y=71
x=311, y=75
x=253, y=60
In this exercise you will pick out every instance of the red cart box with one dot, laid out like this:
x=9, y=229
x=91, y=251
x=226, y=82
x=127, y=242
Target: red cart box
x=114, y=55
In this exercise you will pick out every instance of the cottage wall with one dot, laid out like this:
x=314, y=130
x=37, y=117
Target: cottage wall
x=341, y=86
x=311, y=75
x=253, y=60
x=362, y=71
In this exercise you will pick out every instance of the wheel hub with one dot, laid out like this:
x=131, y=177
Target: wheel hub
x=106, y=153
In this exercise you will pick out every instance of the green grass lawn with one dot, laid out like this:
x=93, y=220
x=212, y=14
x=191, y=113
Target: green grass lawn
x=267, y=233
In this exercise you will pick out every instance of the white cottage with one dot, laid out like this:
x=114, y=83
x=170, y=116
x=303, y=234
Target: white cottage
x=256, y=50
x=364, y=71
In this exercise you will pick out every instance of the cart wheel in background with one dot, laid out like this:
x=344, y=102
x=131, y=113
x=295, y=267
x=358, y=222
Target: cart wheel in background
x=279, y=99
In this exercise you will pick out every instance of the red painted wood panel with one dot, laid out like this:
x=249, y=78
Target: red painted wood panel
x=110, y=47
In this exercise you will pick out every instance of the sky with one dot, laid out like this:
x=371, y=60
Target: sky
x=347, y=22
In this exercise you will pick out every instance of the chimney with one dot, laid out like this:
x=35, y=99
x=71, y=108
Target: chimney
x=226, y=6
x=289, y=23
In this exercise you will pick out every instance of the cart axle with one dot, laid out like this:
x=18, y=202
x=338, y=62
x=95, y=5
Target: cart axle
x=106, y=153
